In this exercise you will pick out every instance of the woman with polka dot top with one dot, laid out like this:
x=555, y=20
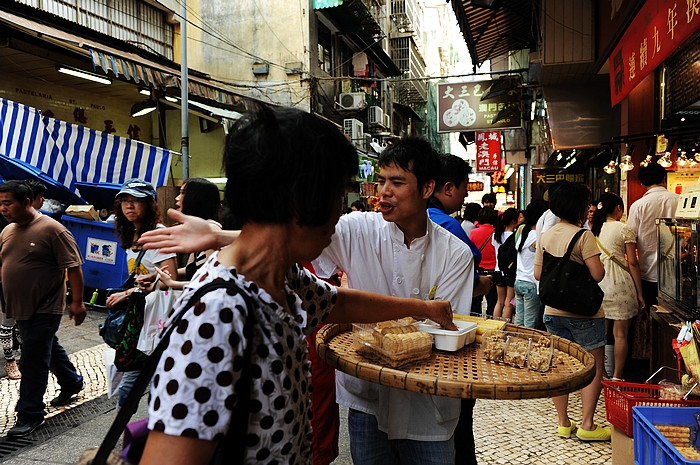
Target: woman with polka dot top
x=286, y=171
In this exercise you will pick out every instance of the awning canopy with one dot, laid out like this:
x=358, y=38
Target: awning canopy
x=70, y=153
x=127, y=65
x=494, y=27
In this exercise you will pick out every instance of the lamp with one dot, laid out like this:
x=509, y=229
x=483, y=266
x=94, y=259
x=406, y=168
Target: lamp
x=82, y=74
x=651, y=149
x=143, y=108
x=611, y=167
x=509, y=172
x=665, y=159
x=626, y=160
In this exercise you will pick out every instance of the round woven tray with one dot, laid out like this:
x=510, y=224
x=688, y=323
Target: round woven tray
x=465, y=373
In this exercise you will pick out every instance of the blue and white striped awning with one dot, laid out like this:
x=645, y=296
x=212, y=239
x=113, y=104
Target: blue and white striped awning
x=71, y=153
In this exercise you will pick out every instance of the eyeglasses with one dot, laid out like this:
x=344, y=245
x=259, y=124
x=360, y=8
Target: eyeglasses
x=133, y=201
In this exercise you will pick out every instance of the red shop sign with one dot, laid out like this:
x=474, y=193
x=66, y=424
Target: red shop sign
x=488, y=151
x=659, y=29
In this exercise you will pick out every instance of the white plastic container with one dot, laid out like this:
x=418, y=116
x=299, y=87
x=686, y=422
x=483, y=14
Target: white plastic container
x=451, y=341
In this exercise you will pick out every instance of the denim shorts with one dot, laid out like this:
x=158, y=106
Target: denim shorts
x=589, y=333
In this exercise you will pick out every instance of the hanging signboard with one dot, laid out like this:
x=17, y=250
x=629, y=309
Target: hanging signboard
x=659, y=28
x=488, y=151
x=460, y=107
x=543, y=178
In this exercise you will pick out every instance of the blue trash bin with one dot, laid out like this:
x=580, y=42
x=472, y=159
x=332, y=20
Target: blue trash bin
x=105, y=261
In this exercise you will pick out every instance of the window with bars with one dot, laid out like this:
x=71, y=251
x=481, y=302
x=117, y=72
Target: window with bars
x=132, y=21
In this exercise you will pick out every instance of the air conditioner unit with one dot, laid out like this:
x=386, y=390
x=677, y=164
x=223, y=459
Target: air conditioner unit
x=354, y=130
x=352, y=100
x=375, y=116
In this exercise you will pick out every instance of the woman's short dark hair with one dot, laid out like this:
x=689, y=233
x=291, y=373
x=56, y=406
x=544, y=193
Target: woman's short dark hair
x=487, y=215
x=284, y=164
x=651, y=174
x=359, y=205
x=570, y=202
x=471, y=211
x=415, y=155
x=201, y=198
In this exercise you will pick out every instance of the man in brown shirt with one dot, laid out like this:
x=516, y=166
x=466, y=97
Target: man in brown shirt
x=36, y=253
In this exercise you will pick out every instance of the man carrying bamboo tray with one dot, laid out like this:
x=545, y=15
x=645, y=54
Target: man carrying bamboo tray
x=400, y=252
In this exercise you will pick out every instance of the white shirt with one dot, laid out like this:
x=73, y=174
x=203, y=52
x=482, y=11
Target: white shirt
x=372, y=253
x=546, y=221
x=468, y=226
x=657, y=202
x=526, y=257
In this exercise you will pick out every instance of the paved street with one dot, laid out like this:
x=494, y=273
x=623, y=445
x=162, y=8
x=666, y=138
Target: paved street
x=507, y=432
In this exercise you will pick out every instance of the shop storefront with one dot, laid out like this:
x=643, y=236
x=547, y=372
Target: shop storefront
x=652, y=49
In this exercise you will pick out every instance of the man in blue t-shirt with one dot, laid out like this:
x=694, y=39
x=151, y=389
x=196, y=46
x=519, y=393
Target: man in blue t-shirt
x=448, y=197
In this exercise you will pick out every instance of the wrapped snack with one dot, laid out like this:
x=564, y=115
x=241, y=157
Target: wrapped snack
x=516, y=351
x=669, y=390
x=392, y=345
x=541, y=354
x=493, y=344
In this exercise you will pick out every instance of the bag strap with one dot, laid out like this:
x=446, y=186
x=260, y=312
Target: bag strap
x=611, y=256
x=239, y=423
x=573, y=242
x=486, y=242
x=132, y=276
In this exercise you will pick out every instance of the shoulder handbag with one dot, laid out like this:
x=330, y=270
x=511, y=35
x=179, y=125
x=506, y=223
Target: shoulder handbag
x=231, y=449
x=111, y=329
x=128, y=357
x=567, y=285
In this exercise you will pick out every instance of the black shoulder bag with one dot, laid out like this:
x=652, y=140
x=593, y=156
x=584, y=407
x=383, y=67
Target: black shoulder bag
x=232, y=448
x=111, y=329
x=568, y=285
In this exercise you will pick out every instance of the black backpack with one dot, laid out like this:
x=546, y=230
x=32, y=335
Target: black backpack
x=508, y=256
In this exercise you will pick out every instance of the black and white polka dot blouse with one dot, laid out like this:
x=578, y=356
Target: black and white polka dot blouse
x=193, y=389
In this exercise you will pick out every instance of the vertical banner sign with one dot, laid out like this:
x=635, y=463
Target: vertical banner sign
x=659, y=28
x=488, y=151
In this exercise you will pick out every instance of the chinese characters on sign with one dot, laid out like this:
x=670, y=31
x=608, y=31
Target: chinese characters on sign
x=542, y=179
x=658, y=30
x=475, y=186
x=488, y=151
x=460, y=107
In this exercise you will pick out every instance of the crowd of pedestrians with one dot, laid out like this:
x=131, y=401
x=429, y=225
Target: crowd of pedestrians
x=411, y=257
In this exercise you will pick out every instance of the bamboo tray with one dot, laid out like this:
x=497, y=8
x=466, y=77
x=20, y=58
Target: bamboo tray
x=463, y=374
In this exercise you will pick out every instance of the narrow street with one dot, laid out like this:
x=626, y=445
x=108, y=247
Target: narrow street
x=507, y=432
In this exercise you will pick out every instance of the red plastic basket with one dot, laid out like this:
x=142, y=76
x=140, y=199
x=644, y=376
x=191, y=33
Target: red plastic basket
x=621, y=396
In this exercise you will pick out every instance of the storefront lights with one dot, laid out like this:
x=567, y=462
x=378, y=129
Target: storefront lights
x=82, y=74
x=610, y=168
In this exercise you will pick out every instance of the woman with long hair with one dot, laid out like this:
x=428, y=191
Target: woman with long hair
x=569, y=202
x=622, y=284
x=136, y=212
x=505, y=291
x=527, y=300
